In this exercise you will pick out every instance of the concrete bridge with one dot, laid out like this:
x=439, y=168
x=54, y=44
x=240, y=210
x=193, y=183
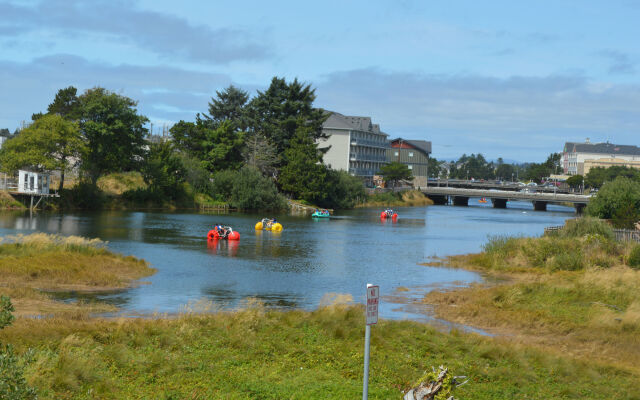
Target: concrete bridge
x=499, y=198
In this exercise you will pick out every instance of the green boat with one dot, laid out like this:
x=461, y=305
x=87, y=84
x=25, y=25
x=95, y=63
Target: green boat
x=321, y=214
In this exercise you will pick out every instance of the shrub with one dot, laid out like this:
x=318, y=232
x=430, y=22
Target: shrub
x=587, y=226
x=13, y=386
x=252, y=191
x=634, y=257
x=342, y=190
x=618, y=201
x=247, y=189
x=85, y=195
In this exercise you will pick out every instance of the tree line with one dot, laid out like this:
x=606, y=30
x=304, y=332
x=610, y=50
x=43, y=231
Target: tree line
x=476, y=166
x=252, y=152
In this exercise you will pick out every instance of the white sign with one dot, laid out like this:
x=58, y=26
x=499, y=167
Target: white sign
x=373, y=296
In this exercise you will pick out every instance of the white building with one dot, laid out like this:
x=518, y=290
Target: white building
x=576, y=154
x=33, y=182
x=356, y=145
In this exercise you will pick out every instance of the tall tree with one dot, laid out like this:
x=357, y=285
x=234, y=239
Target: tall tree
x=50, y=143
x=303, y=175
x=282, y=109
x=114, y=132
x=229, y=106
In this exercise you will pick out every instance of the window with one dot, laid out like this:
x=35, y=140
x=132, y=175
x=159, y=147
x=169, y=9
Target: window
x=410, y=166
x=411, y=154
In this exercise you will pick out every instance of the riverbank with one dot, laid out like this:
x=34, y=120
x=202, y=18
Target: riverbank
x=35, y=267
x=576, y=291
x=408, y=198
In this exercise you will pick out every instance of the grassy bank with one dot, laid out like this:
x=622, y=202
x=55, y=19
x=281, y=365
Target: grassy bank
x=573, y=291
x=31, y=266
x=8, y=202
x=255, y=353
x=407, y=198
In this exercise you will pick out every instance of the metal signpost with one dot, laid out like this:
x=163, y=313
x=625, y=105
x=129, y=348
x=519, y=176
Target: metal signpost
x=373, y=296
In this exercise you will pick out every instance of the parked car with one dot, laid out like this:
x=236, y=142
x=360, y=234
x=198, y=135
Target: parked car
x=532, y=184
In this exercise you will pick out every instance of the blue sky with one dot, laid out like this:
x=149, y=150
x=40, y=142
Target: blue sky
x=507, y=79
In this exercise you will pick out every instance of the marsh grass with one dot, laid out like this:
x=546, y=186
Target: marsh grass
x=260, y=353
x=573, y=290
x=52, y=262
x=34, y=264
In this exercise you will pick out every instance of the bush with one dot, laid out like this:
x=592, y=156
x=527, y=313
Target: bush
x=85, y=195
x=584, y=226
x=634, y=257
x=13, y=386
x=342, y=190
x=247, y=189
x=618, y=201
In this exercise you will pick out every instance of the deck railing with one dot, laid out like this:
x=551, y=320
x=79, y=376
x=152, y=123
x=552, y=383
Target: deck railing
x=622, y=235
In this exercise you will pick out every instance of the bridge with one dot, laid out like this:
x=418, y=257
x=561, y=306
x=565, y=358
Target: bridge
x=499, y=198
x=498, y=185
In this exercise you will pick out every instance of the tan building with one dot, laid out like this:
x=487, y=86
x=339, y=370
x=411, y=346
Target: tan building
x=576, y=155
x=609, y=162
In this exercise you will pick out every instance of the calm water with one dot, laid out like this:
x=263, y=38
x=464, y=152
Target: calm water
x=297, y=267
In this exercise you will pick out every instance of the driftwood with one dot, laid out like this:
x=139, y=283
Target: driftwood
x=429, y=388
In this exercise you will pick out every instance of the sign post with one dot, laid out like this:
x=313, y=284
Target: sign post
x=373, y=296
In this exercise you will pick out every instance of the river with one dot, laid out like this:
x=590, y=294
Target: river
x=297, y=267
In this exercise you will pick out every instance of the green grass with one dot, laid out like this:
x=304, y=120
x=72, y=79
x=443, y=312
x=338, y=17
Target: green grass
x=263, y=354
x=7, y=202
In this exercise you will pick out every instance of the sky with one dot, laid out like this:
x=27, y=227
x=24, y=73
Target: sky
x=503, y=78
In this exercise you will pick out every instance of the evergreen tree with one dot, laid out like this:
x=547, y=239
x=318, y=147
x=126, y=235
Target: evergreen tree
x=278, y=113
x=223, y=147
x=394, y=172
x=303, y=175
x=229, y=106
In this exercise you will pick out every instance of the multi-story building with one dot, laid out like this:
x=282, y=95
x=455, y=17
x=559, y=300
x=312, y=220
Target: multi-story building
x=578, y=158
x=355, y=145
x=414, y=154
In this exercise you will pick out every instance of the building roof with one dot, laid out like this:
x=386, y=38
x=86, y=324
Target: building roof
x=602, y=148
x=422, y=145
x=339, y=121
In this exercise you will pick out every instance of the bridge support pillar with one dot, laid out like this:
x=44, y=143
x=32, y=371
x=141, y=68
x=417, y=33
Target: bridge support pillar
x=460, y=201
x=579, y=207
x=499, y=203
x=439, y=199
x=540, y=205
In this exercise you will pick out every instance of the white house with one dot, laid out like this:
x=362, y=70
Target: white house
x=33, y=182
